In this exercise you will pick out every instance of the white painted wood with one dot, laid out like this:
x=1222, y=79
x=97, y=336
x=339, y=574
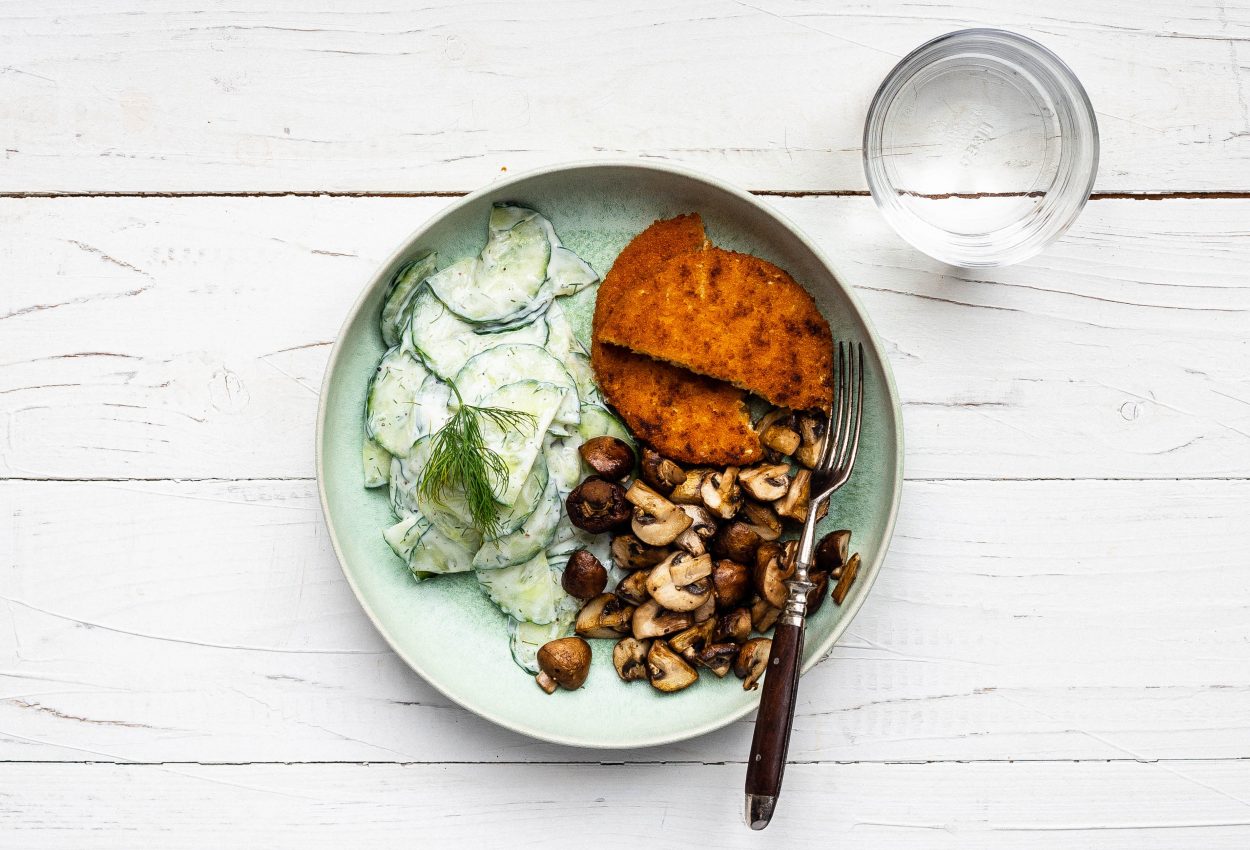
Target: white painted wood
x=771, y=93
x=186, y=338
x=955, y=806
x=209, y=621
x=203, y=629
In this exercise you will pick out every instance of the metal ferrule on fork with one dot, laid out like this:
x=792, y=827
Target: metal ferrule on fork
x=795, y=611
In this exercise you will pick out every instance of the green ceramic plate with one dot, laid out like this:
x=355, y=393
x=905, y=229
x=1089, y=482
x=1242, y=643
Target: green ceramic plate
x=444, y=628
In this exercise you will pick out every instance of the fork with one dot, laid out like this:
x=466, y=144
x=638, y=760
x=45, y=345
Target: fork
x=771, y=741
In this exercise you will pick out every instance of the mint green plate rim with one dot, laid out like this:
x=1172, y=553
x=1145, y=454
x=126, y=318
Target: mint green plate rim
x=700, y=723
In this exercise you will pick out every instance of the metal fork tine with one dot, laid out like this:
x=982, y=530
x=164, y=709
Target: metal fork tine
x=827, y=453
x=859, y=418
x=844, y=427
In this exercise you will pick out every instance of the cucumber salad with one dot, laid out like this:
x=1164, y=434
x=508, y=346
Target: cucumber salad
x=474, y=417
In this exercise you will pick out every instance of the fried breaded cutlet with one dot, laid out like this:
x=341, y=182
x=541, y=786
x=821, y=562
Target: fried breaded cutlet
x=729, y=316
x=684, y=416
x=687, y=417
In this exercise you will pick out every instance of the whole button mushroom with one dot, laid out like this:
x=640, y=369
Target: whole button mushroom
x=597, y=505
x=564, y=662
x=609, y=456
x=584, y=576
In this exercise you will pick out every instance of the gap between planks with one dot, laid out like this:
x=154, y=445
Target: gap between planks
x=1132, y=195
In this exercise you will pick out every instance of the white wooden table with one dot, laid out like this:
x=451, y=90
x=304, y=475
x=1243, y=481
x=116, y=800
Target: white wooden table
x=1057, y=652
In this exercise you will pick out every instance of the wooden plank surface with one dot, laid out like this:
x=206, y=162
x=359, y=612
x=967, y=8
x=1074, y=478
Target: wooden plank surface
x=316, y=96
x=1057, y=652
x=186, y=338
x=209, y=622
x=945, y=806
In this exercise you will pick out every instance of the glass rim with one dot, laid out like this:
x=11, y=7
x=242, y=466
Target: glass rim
x=1072, y=187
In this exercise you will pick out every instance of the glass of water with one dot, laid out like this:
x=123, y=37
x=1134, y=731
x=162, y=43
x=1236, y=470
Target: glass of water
x=981, y=147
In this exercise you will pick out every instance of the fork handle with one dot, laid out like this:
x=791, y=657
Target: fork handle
x=771, y=741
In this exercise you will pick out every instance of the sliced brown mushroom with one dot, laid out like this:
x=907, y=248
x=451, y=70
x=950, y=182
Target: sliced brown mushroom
x=848, y=577
x=706, y=611
x=687, y=492
x=767, y=482
x=684, y=568
x=794, y=504
x=657, y=521
x=651, y=620
x=761, y=519
x=752, y=661
x=736, y=541
x=667, y=670
x=702, y=527
x=680, y=582
x=772, y=570
x=780, y=437
x=584, y=577
x=720, y=492
x=763, y=615
x=812, y=433
x=833, y=550
x=660, y=472
x=777, y=416
x=731, y=583
x=633, y=588
x=820, y=590
x=597, y=505
x=630, y=553
x=605, y=616
x=609, y=456
x=629, y=657
x=734, y=627
x=718, y=657
x=564, y=662
x=688, y=643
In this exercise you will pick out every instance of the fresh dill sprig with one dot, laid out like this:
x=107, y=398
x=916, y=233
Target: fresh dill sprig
x=460, y=459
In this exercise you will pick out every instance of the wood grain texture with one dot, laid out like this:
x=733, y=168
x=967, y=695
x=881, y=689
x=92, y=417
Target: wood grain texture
x=941, y=806
x=186, y=338
x=209, y=621
x=769, y=93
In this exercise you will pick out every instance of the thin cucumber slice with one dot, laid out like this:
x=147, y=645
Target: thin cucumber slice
x=377, y=464
x=567, y=273
x=527, y=501
x=503, y=280
x=527, y=591
x=392, y=396
x=504, y=217
x=405, y=536
x=569, y=538
x=436, y=555
x=597, y=421
x=405, y=477
x=432, y=408
x=561, y=340
x=399, y=295
x=519, y=446
x=507, y=364
x=424, y=549
x=563, y=461
x=446, y=342
x=534, y=535
x=572, y=275
x=525, y=639
x=578, y=365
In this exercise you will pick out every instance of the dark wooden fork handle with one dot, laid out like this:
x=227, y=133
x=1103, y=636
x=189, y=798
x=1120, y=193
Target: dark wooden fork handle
x=771, y=742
